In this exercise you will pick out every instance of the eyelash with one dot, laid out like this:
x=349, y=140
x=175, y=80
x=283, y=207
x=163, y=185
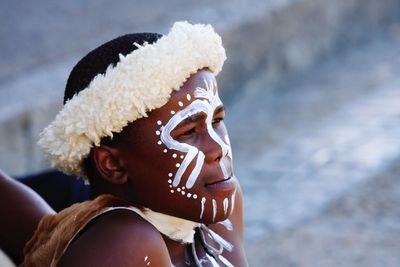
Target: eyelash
x=192, y=130
x=217, y=120
x=189, y=132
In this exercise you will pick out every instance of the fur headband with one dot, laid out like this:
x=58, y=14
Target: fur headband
x=140, y=82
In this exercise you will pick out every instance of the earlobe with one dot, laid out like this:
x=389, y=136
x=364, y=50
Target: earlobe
x=108, y=164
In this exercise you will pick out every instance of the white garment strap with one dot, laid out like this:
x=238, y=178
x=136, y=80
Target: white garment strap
x=177, y=229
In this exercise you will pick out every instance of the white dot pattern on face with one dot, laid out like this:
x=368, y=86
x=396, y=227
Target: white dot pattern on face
x=207, y=102
x=172, y=191
x=179, y=190
x=172, y=112
x=159, y=142
x=170, y=174
x=158, y=132
x=170, y=181
x=170, y=186
x=189, y=195
x=174, y=156
x=159, y=122
x=194, y=196
x=165, y=151
x=183, y=192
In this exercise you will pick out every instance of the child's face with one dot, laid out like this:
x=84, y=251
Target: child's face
x=180, y=161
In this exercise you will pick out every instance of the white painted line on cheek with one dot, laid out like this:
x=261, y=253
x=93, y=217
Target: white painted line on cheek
x=223, y=168
x=203, y=201
x=194, y=107
x=225, y=202
x=214, y=203
x=185, y=163
x=227, y=141
x=196, y=170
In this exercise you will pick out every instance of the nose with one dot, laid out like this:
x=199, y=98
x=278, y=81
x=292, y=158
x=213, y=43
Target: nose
x=212, y=148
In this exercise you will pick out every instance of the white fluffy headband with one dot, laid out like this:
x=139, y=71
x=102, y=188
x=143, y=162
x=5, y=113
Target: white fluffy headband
x=140, y=82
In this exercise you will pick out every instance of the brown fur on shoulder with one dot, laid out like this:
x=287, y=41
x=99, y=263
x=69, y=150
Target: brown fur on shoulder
x=55, y=232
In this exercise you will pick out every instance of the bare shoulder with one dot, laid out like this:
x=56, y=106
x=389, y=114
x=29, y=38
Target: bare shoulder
x=118, y=238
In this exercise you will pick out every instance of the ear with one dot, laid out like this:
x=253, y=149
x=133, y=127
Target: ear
x=108, y=164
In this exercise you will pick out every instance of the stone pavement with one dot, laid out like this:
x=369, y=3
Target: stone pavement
x=360, y=228
x=315, y=140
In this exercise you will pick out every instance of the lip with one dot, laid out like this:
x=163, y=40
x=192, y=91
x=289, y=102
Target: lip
x=222, y=185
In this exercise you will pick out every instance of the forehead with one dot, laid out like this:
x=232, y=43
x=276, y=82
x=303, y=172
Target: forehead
x=181, y=98
x=203, y=78
x=178, y=101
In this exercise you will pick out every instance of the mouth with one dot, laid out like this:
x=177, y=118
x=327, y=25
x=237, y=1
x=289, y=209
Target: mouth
x=217, y=182
x=226, y=184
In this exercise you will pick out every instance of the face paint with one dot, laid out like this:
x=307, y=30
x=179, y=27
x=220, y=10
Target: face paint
x=225, y=203
x=233, y=202
x=185, y=158
x=228, y=224
x=203, y=201
x=214, y=204
x=147, y=260
x=207, y=106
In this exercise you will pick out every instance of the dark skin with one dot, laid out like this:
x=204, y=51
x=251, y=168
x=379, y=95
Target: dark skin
x=133, y=167
x=23, y=209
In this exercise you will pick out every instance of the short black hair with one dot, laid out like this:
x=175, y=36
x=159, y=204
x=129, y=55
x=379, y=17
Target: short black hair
x=98, y=60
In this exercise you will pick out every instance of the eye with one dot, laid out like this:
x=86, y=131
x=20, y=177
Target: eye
x=188, y=132
x=216, y=121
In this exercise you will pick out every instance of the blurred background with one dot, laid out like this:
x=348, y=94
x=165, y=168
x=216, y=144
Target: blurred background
x=313, y=107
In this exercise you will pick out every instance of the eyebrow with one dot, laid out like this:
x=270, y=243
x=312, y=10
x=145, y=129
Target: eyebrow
x=219, y=109
x=199, y=116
